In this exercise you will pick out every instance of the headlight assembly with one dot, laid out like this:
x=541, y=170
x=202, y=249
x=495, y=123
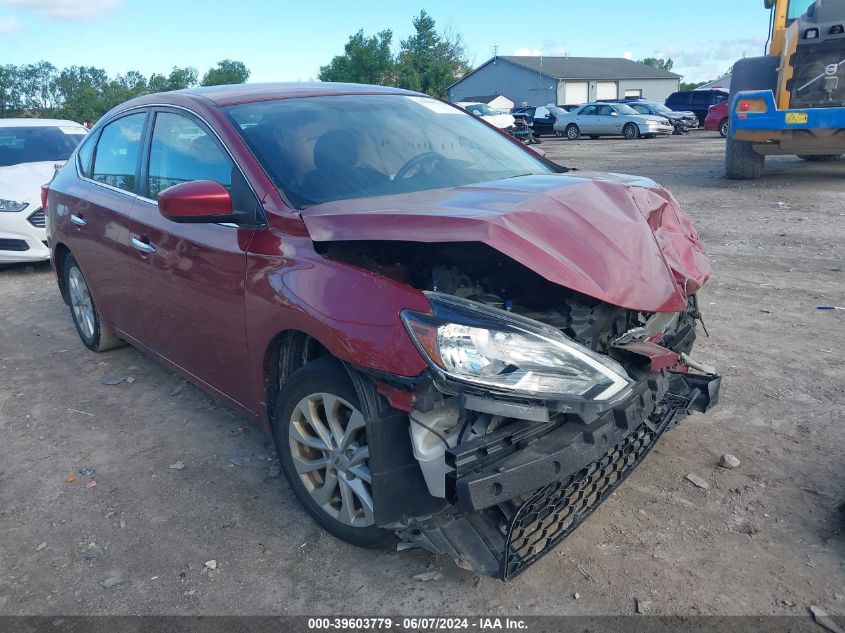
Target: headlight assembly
x=12, y=206
x=471, y=343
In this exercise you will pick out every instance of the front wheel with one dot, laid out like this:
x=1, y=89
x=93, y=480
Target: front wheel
x=321, y=438
x=723, y=128
x=572, y=132
x=630, y=131
x=95, y=334
x=741, y=161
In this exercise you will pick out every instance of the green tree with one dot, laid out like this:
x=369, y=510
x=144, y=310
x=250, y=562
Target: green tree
x=82, y=92
x=430, y=61
x=691, y=85
x=178, y=79
x=227, y=71
x=366, y=60
x=662, y=64
x=37, y=87
x=10, y=98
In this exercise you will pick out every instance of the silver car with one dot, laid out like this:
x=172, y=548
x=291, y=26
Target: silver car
x=610, y=119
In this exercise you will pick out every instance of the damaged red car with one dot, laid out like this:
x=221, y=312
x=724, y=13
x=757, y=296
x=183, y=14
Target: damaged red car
x=449, y=337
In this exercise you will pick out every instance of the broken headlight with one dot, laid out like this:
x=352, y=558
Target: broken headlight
x=468, y=342
x=12, y=206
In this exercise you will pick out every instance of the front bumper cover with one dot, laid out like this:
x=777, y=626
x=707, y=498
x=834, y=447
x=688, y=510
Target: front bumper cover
x=510, y=511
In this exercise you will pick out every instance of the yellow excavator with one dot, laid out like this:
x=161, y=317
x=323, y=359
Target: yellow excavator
x=792, y=100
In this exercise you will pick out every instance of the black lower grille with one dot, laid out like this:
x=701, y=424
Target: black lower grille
x=38, y=219
x=13, y=245
x=553, y=512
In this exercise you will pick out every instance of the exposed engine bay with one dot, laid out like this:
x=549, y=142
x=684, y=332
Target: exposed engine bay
x=515, y=475
x=479, y=273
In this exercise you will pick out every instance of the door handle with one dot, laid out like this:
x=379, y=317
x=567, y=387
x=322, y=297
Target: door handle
x=77, y=220
x=140, y=245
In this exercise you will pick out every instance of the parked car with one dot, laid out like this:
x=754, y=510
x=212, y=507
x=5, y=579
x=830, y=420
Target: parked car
x=447, y=336
x=697, y=101
x=542, y=118
x=610, y=119
x=501, y=120
x=523, y=128
x=29, y=152
x=682, y=121
x=718, y=118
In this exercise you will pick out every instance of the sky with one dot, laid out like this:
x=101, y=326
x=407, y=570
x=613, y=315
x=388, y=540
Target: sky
x=289, y=41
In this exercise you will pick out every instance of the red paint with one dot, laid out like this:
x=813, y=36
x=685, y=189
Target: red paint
x=716, y=114
x=211, y=299
x=195, y=199
x=619, y=239
x=401, y=399
x=658, y=357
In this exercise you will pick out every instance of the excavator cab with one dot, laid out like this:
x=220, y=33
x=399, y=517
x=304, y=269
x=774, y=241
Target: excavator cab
x=792, y=100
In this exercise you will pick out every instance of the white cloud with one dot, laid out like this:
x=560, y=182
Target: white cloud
x=628, y=55
x=9, y=25
x=65, y=9
x=702, y=61
x=527, y=52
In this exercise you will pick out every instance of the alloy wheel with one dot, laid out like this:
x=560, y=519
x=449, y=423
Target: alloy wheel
x=80, y=302
x=328, y=444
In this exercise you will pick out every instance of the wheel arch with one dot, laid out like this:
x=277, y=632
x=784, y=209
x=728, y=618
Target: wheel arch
x=60, y=253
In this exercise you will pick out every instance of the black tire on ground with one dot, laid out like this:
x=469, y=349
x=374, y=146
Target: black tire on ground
x=96, y=335
x=723, y=128
x=573, y=133
x=558, y=134
x=741, y=161
x=821, y=158
x=290, y=424
x=630, y=131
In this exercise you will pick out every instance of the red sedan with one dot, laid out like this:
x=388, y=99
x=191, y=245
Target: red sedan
x=447, y=336
x=718, y=119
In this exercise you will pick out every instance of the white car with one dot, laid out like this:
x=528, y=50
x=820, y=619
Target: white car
x=501, y=120
x=30, y=149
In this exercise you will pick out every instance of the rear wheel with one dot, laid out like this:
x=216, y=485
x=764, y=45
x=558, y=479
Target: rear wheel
x=741, y=161
x=95, y=334
x=321, y=438
x=821, y=158
x=723, y=128
x=630, y=131
x=572, y=132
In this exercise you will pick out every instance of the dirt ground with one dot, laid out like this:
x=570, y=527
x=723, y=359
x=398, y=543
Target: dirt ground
x=765, y=538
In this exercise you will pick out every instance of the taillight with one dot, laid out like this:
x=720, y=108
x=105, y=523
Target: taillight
x=45, y=189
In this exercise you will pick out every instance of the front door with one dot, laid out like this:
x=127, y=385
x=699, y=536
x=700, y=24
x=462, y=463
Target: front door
x=189, y=278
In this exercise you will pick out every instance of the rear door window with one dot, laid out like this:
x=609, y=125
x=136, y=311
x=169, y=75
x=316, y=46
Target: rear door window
x=116, y=156
x=679, y=98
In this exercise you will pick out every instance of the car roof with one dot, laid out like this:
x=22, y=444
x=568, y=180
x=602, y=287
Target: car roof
x=39, y=123
x=222, y=96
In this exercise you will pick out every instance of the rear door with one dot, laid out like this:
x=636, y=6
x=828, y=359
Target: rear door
x=190, y=278
x=587, y=120
x=99, y=216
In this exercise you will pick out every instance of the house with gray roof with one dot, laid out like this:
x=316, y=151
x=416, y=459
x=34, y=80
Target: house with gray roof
x=535, y=81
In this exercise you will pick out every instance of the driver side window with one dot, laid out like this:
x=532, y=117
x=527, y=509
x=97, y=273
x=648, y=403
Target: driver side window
x=182, y=151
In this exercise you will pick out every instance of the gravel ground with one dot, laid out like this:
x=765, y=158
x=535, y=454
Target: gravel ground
x=765, y=538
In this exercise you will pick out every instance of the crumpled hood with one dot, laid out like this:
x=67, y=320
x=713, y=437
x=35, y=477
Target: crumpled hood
x=617, y=238
x=23, y=182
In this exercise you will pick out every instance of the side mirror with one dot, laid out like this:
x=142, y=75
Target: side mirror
x=196, y=201
x=614, y=113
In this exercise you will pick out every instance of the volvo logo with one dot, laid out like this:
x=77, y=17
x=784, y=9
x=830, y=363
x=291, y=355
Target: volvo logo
x=831, y=69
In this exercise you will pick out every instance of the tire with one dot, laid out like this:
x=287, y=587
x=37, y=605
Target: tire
x=741, y=161
x=631, y=131
x=821, y=158
x=573, y=133
x=724, y=127
x=558, y=134
x=96, y=335
x=335, y=493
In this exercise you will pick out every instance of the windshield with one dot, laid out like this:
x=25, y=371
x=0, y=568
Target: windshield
x=625, y=109
x=319, y=149
x=481, y=109
x=658, y=107
x=797, y=8
x=35, y=144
